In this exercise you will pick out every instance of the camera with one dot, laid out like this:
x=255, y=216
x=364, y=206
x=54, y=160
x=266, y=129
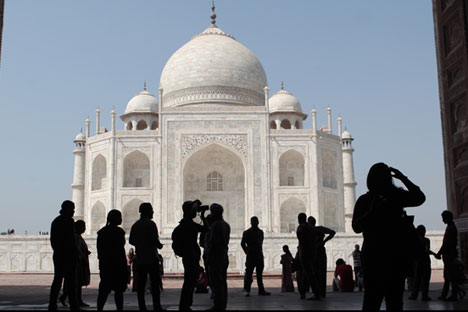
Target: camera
x=202, y=208
x=197, y=205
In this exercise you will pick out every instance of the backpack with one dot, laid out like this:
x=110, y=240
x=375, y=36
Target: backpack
x=178, y=241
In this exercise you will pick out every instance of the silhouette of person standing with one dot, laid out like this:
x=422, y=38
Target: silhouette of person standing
x=287, y=261
x=112, y=261
x=422, y=267
x=251, y=243
x=65, y=257
x=449, y=255
x=379, y=215
x=145, y=237
x=191, y=257
x=83, y=274
x=321, y=263
x=356, y=254
x=217, y=246
x=308, y=256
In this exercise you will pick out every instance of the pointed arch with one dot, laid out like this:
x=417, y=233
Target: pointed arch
x=141, y=125
x=291, y=168
x=289, y=210
x=285, y=124
x=136, y=170
x=272, y=125
x=98, y=216
x=227, y=164
x=130, y=214
x=99, y=174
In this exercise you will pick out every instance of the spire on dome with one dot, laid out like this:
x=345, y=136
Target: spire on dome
x=213, y=14
x=282, y=85
x=144, y=85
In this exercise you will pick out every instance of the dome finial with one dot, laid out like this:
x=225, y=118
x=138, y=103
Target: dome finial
x=282, y=85
x=213, y=14
x=144, y=85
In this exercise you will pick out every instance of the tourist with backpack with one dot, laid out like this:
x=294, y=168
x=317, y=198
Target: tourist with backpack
x=185, y=245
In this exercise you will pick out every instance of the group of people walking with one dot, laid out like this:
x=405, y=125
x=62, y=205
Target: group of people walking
x=379, y=215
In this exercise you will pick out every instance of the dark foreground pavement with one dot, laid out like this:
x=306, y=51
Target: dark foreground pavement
x=30, y=292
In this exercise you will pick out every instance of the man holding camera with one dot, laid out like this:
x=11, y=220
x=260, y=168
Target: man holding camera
x=188, y=232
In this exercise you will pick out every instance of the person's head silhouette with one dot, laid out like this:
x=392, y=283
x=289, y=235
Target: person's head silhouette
x=286, y=248
x=421, y=229
x=340, y=261
x=189, y=209
x=114, y=217
x=216, y=211
x=356, y=247
x=447, y=216
x=68, y=208
x=379, y=179
x=80, y=227
x=254, y=222
x=146, y=210
x=302, y=218
x=311, y=220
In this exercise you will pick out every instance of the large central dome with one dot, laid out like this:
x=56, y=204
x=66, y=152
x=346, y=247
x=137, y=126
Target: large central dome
x=213, y=68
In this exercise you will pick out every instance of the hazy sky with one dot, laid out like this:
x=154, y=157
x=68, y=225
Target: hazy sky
x=373, y=62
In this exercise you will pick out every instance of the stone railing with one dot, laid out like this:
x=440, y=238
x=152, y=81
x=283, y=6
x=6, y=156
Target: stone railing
x=33, y=254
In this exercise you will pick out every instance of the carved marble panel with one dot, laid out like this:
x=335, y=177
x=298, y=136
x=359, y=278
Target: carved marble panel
x=455, y=74
x=191, y=143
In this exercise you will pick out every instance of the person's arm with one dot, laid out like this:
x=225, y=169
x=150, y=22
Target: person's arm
x=414, y=196
x=362, y=212
x=244, y=242
x=155, y=235
x=326, y=231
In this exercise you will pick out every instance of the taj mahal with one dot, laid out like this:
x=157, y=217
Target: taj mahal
x=215, y=133
x=214, y=130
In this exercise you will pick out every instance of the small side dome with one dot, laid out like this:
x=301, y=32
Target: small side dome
x=346, y=135
x=80, y=137
x=143, y=102
x=283, y=101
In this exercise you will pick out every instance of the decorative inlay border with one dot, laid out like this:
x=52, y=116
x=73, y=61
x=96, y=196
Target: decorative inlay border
x=300, y=149
x=237, y=142
x=213, y=93
x=301, y=196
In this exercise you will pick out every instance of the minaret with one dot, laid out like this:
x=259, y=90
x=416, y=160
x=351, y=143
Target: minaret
x=348, y=179
x=329, y=130
x=98, y=121
x=340, y=123
x=111, y=169
x=314, y=122
x=79, y=175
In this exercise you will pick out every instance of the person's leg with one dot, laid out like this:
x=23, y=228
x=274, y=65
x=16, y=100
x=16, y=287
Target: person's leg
x=373, y=287
x=155, y=290
x=70, y=279
x=224, y=284
x=56, y=283
x=418, y=272
x=141, y=285
x=426, y=281
x=249, y=268
x=322, y=267
x=394, y=292
x=446, y=287
x=103, y=292
x=259, y=270
x=119, y=300
x=191, y=269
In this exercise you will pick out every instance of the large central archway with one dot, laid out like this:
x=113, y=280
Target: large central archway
x=215, y=174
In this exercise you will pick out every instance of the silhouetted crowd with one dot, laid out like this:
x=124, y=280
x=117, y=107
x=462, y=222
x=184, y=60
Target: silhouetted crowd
x=393, y=251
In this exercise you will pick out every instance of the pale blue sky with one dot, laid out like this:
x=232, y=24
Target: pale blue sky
x=372, y=61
